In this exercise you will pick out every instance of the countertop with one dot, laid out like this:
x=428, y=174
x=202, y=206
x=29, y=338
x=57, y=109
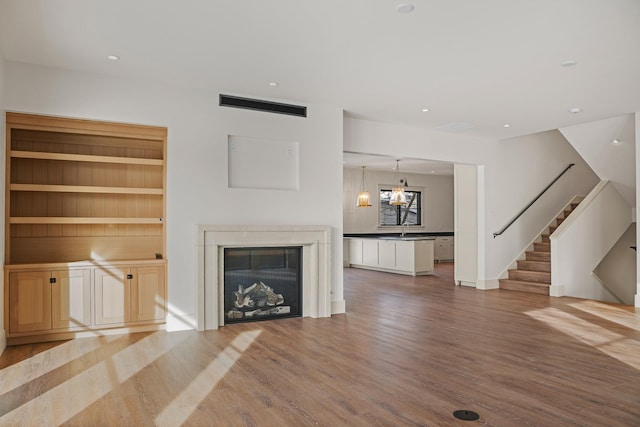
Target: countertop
x=391, y=237
x=398, y=236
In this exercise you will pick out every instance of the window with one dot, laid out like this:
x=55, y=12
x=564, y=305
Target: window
x=410, y=214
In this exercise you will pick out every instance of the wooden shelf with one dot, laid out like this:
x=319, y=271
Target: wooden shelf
x=85, y=158
x=84, y=220
x=84, y=189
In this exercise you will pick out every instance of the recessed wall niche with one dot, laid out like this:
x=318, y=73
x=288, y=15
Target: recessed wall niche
x=265, y=164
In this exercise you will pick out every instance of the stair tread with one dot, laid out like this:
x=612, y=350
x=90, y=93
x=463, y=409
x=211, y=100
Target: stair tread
x=542, y=247
x=533, y=274
x=526, y=282
x=538, y=256
x=534, y=265
x=530, y=276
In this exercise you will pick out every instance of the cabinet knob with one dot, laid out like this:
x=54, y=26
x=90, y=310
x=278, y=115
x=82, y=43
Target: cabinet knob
x=52, y=280
x=129, y=276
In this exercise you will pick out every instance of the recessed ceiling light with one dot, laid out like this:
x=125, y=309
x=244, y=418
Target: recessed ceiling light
x=506, y=125
x=569, y=63
x=425, y=110
x=113, y=57
x=273, y=83
x=616, y=142
x=404, y=7
x=575, y=110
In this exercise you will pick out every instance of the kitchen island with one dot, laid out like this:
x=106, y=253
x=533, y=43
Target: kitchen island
x=411, y=255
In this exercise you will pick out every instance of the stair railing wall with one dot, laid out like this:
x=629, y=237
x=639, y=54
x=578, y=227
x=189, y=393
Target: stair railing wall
x=535, y=199
x=584, y=239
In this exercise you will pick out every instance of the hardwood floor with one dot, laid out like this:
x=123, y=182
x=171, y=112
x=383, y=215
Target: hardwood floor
x=409, y=352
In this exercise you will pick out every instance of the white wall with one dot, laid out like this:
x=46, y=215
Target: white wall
x=515, y=170
x=611, y=162
x=467, y=224
x=197, y=191
x=437, y=200
x=581, y=242
x=617, y=271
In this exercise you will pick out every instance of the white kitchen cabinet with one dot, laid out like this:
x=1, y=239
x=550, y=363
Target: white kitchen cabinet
x=355, y=251
x=405, y=256
x=444, y=248
x=387, y=254
x=369, y=252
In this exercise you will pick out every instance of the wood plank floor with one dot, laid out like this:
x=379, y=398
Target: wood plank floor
x=409, y=352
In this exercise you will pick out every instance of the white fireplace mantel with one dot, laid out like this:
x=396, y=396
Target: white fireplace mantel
x=315, y=241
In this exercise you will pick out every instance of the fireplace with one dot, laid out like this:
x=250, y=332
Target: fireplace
x=262, y=283
x=313, y=243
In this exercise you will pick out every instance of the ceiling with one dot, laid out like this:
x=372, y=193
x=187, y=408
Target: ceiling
x=477, y=65
x=406, y=165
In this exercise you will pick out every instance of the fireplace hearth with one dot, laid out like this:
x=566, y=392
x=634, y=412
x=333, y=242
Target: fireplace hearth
x=262, y=283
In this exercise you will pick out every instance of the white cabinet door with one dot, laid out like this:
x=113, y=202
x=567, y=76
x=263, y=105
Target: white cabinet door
x=444, y=248
x=405, y=256
x=370, y=252
x=355, y=251
x=387, y=254
x=424, y=255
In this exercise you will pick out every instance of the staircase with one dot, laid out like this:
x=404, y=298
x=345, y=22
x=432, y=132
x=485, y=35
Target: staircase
x=533, y=274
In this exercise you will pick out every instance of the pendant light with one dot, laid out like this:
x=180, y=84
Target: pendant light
x=397, y=193
x=364, y=199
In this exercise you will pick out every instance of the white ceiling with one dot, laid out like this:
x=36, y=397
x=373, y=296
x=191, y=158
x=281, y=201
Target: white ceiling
x=406, y=165
x=478, y=63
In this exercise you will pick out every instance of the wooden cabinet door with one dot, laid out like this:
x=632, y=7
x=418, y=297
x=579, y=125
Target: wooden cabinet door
x=112, y=295
x=148, y=299
x=71, y=299
x=29, y=301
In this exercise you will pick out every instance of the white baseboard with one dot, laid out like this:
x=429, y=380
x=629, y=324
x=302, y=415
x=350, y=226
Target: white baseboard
x=338, y=307
x=487, y=284
x=637, y=304
x=556, y=290
x=181, y=322
x=467, y=283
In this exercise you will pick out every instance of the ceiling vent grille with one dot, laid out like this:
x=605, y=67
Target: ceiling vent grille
x=259, y=105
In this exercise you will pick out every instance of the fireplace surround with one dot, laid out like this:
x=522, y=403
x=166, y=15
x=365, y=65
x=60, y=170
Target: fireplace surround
x=315, y=242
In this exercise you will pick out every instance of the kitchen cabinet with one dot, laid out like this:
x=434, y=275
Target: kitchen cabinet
x=412, y=256
x=444, y=250
x=369, y=252
x=355, y=251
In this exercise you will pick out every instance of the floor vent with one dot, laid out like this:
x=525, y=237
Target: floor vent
x=268, y=106
x=466, y=415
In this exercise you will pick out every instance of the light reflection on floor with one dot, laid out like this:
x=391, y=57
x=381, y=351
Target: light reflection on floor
x=179, y=410
x=62, y=402
x=611, y=343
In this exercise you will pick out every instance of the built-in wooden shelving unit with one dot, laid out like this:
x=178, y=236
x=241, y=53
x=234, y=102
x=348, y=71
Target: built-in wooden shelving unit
x=78, y=191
